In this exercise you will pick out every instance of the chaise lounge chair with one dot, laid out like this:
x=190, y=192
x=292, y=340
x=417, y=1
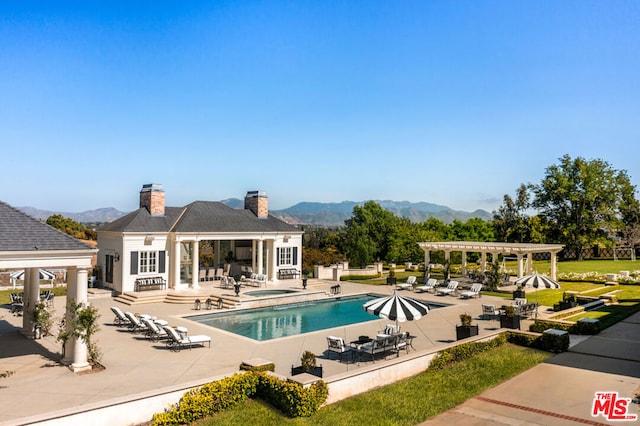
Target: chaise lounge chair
x=153, y=330
x=176, y=342
x=408, y=285
x=473, y=292
x=120, y=318
x=450, y=289
x=135, y=325
x=429, y=286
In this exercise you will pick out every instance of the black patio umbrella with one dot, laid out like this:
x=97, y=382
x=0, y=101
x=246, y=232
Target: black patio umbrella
x=397, y=308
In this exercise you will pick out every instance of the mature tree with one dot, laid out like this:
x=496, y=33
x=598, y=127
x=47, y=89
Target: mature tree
x=580, y=199
x=70, y=227
x=370, y=229
x=510, y=221
x=474, y=229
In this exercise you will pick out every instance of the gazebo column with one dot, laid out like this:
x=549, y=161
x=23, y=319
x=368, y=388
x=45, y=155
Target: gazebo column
x=217, y=249
x=554, y=266
x=80, y=362
x=260, y=257
x=519, y=256
x=31, y=298
x=464, y=262
x=195, y=264
x=253, y=255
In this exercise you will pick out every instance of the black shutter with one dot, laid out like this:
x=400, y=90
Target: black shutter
x=161, y=261
x=278, y=256
x=134, y=263
x=295, y=255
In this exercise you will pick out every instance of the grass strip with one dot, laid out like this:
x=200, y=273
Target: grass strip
x=407, y=402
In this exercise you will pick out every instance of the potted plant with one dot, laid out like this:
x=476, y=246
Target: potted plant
x=519, y=293
x=465, y=329
x=569, y=301
x=305, y=277
x=308, y=365
x=509, y=319
x=42, y=321
x=391, y=279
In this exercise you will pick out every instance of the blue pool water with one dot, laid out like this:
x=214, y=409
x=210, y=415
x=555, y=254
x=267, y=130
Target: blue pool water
x=289, y=320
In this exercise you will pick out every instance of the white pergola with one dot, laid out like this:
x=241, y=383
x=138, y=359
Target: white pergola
x=28, y=244
x=520, y=250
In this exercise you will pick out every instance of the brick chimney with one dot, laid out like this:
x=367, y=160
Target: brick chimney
x=152, y=198
x=258, y=203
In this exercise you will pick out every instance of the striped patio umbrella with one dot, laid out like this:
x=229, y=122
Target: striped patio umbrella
x=397, y=308
x=536, y=281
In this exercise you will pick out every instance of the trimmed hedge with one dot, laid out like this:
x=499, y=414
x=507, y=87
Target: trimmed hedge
x=260, y=368
x=290, y=397
x=464, y=351
x=545, y=342
x=359, y=277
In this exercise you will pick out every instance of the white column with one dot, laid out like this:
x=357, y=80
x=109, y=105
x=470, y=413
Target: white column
x=69, y=347
x=217, y=253
x=80, y=351
x=253, y=255
x=427, y=261
x=195, y=264
x=176, y=266
x=554, y=266
x=464, y=262
x=483, y=261
x=519, y=256
x=260, y=257
x=529, y=263
x=30, y=299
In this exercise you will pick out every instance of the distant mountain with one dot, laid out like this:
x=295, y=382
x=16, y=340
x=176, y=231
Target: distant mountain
x=103, y=215
x=334, y=214
x=307, y=213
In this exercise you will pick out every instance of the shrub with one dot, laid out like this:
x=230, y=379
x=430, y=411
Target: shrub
x=290, y=397
x=266, y=367
x=359, y=277
x=464, y=351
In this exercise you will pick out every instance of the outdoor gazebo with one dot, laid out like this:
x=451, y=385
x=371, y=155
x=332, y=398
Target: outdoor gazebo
x=520, y=250
x=26, y=243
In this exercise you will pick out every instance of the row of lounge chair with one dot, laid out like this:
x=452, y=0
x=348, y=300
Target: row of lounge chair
x=156, y=330
x=432, y=286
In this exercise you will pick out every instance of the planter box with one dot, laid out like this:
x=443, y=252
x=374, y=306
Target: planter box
x=391, y=280
x=519, y=294
x=510, y=322
x=561, y=306
x=299, y=370
x=463, y=332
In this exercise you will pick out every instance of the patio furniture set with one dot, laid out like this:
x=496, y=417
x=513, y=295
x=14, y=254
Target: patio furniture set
x=17, y=301
x=155, y=330
x=386, y=341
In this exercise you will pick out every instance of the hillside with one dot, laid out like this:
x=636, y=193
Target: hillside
x=308, y=213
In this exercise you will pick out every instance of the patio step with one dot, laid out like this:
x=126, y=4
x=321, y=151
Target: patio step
x=141, y=298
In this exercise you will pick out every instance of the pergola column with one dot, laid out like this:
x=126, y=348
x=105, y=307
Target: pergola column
x=195, y=264
x=554, y=266
x=427, y=262
x=483, y=261
x=30, y=299
x=529, y=263
x=79, y=362
x=464, y=262
x=519, y=256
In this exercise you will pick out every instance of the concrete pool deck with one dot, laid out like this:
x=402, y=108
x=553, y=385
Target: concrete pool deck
x=40, y=388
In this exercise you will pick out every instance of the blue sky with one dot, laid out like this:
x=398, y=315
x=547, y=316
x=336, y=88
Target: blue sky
x=454, y=103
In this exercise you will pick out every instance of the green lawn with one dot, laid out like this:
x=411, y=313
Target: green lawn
x=404, y=402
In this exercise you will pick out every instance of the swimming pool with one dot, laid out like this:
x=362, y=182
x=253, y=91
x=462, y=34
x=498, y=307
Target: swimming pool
x=274, y=322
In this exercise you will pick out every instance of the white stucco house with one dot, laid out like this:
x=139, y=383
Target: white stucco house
x=156, y=244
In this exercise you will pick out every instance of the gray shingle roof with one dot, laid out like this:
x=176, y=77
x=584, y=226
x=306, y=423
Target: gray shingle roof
x=199, y=216
x=21, y=232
